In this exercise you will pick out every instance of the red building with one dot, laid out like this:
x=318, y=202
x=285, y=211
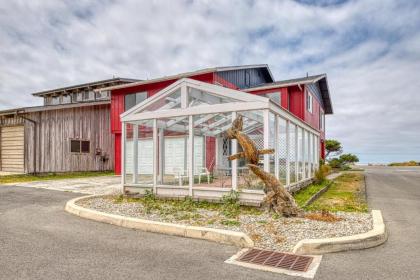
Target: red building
x=307, y=98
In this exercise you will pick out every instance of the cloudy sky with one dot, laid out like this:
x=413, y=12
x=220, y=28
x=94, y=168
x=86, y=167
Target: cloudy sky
x=369, y=49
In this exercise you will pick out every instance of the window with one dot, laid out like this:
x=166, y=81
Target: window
x=80, y=146
x=65, y=99
x=77, y=97
x=309, y=102
x=55, y=100
x=274, y=96
x=133, y=99
x=88, y=95
x=102, y=95
x=321, y=121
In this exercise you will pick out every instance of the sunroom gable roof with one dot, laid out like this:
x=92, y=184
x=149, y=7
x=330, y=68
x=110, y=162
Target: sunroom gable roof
x=232, y=95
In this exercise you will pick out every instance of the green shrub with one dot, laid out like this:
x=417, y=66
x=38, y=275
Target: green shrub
x=321, y=173
x=230, y=202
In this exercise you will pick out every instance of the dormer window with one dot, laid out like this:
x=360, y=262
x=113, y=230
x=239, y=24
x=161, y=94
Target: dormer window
x=309, y=102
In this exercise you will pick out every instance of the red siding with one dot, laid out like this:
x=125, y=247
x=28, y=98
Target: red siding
x=296, y=100
x=223, y=82
x=117, y=153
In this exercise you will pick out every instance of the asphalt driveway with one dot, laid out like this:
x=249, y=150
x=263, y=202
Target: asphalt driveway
x=38, y=240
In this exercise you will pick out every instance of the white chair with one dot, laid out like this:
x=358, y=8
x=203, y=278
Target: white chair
x=179, y=175
x=200, y=171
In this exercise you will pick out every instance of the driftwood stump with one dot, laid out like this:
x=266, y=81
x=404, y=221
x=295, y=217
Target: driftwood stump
x=277, y=197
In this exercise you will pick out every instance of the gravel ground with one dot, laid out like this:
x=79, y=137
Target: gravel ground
x=266, y=231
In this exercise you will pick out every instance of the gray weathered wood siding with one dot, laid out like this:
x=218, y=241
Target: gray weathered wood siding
x=55, y=129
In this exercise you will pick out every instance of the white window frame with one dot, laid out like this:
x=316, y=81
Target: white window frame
x=321, y=121
x=309, y=102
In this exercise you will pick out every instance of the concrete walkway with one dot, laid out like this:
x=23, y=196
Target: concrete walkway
x=87, y=185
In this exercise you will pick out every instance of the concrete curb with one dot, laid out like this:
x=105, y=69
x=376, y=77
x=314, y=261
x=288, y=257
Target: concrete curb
x=372, y=238
x=239, y=239
x=318, y=194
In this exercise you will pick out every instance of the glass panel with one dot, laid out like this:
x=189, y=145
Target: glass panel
x=306, y=148
x=173, y=147
x=145, y=153
x=172, y=101
x=133, y=99
x=271, y=140
x=75, y=146
x=128, y=154
x=198, y=97
x=66, y=99
x=254, y=128
x=292, y=152
x=211, y=149
x=300, y=154
x=144, y=146
x=282, y=150
x=85, y=146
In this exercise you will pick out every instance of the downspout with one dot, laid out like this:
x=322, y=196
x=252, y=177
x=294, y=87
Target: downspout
x=35, y=142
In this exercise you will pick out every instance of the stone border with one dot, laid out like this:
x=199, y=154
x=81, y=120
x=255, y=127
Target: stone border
x=318, y=194
x=372, y=238
x=239, y=239
x=310, y=273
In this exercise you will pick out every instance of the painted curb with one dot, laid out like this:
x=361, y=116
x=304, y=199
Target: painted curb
x=239, y=239
x=372, y=238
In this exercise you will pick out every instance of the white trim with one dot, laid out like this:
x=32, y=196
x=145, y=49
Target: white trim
x=135, y=152
x=276, y=147
x=198, y=110
x=155, y=155
x=123, y=157
x=287, y=152
x=191, y=155
x=296, y=153
x=288, y=116
x=266, y=129
x=234, y=163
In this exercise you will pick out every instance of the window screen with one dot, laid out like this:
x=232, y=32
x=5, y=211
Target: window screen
x=133, y=99
x=79, y=146
x=75, y=146
x=85, y=146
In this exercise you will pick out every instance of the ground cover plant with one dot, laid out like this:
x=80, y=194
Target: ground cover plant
x=347, y=194
x=20, y=178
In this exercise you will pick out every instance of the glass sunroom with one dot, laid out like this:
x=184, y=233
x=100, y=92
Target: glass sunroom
x=174, y=143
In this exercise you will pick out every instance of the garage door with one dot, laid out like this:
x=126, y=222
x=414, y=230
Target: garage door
x=12, y=149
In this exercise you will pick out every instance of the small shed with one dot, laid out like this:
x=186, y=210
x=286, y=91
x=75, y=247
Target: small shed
x=174, y=143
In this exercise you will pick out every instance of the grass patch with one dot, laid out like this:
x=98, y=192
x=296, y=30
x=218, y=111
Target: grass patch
x=346, y=194
x=20, y=178
x=305, y=194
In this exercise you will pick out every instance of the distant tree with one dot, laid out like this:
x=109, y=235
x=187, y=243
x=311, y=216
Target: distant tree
x=333, y=147
x=346, y=159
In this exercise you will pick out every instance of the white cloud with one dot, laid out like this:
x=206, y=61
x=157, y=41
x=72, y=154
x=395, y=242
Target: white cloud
x=369, y=49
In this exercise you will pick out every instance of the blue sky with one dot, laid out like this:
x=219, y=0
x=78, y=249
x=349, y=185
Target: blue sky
x=369, y=49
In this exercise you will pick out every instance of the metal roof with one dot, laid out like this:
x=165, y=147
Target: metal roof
x=84, y=86
x=321, y=79
x=32, y=109
x=189, y=74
